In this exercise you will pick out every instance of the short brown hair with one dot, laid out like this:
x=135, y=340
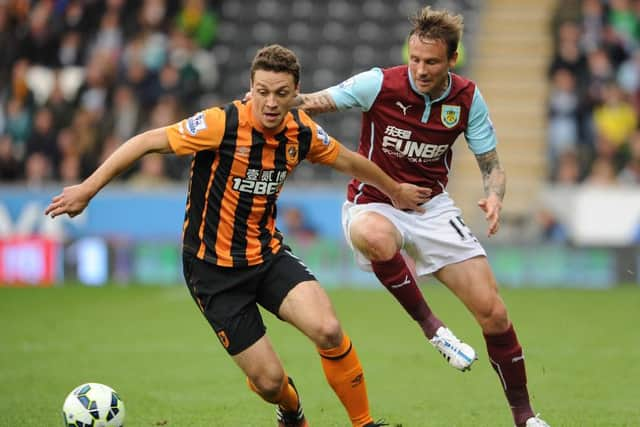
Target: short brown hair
x=276, y=58
x=438, y=25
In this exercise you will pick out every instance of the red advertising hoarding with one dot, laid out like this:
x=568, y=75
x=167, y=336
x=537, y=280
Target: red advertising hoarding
x=28, y=261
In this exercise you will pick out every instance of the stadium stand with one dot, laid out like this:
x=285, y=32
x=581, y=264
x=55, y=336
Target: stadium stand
x=83, y=76
x=594, y=101
x=512, y=51
x=104, y=70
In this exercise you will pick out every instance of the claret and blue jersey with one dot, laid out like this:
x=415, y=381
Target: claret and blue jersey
x=408, y=134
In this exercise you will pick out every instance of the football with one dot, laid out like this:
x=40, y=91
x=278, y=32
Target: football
x=93, y=405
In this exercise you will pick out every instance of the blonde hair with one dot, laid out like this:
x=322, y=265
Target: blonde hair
x=438, y=25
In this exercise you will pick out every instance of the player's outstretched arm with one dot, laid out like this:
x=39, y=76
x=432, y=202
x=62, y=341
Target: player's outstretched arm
x=311, y=103
x=316, y=102
x=494, y=181
x=74, y=199
x=404, y=196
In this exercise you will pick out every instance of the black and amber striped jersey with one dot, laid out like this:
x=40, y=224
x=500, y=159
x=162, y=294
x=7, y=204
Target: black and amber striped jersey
x=237, y=172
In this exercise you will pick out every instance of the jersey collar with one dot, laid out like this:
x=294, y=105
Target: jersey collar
x=426, y=97
x=427, y=100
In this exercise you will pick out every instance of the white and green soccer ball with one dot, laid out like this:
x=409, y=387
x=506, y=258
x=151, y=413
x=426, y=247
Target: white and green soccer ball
x=93, y=405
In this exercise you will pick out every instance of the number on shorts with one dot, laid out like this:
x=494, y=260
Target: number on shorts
x=461, y=228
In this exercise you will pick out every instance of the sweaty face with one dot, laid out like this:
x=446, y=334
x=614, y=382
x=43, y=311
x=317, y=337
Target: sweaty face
x=272, y=93
x=429, y=65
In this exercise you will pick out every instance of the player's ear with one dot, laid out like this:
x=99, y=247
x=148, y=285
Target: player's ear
x=453, y=60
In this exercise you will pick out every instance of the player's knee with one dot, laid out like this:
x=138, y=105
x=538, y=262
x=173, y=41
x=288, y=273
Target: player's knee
x=327, y=333
x=494, y=318
x=375, y=240
x=268, y=384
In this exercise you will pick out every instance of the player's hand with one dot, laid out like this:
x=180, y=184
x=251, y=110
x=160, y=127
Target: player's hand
x=491, y=206
x=71, y=201
x=410, y=197
x=247, y=96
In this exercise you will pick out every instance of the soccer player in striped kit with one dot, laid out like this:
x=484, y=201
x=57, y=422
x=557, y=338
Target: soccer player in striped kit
x=234, y=258
x=411, y=116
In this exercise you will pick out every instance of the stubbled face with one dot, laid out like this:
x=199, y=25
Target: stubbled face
x=429, y=65
x=272, y=93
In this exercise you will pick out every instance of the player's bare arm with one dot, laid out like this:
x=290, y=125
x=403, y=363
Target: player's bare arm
x=404, y=196
x=494, y=181
x=316, y=103
x=74, y=199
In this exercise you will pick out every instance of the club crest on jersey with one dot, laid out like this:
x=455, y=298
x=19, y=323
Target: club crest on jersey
x=450, y=115
x=292, y=153
x=196, y=123
x=322, y=135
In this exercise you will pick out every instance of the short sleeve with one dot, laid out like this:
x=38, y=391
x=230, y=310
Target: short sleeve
x=202, y=131
x=480, y=135
x=323, y=148
x=358, y=91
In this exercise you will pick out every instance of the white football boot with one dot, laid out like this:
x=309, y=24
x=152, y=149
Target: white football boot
x=536, y=422
x=459, y=355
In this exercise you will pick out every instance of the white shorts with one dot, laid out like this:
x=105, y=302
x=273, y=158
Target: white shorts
x=434, y=239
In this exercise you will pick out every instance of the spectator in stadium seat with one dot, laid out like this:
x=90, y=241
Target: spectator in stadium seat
x=38, y=170
x=411, y=117
x=10, y=167
x=297, y=226
x=551, y=229
x=630, y=174
x=39, y=43
x=615, y=118
x=43, y=136
x=151, y=173
x=234, y=257
x=568, y=170
x=567, y=52
x=199, y=22
x=602, y=173
x=563, y=126
x=70, y=170
x=126, y=115
x=18, y=124
x=60, y=107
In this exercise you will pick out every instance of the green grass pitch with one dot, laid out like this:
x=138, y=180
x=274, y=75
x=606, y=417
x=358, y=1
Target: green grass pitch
x=152, y=345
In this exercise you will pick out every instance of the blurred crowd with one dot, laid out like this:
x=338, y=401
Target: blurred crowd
x=79, y=77
x=594, y=97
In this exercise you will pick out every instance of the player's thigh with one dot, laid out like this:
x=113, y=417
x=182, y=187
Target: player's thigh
x=227, y=299
x=309, y=309
x=292, y=292
x=473, y=282
x=373, y=224
x=370, y=230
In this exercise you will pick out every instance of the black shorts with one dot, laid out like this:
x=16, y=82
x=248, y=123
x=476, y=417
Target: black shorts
x=228, y=296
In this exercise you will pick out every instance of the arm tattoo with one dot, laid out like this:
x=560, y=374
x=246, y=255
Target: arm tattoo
x=493, y=177
x=316, y=103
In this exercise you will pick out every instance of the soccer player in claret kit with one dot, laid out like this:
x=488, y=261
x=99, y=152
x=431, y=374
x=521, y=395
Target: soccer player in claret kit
x=233, y=256
x=412, y=115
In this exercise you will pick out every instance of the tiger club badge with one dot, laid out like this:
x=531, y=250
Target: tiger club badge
x=292, y=153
